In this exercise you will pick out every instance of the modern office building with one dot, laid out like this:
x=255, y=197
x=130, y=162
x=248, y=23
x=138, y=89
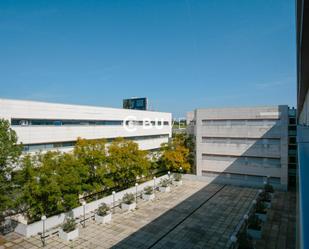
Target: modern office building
x=47, y=126
x=242, y=145
x=303, y=120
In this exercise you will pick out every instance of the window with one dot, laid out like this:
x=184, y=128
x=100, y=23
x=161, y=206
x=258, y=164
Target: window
x=44, y=122
x=47, y=146
x=274, y=180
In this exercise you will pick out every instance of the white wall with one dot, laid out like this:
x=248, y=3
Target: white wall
x=277, y=131
x=48, y=134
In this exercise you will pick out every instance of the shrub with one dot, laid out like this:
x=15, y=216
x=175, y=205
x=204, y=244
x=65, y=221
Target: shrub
x=177, y=177
x=254, y=222
x=244, y=242
x=148, y=190
x=103, y=210
x=69, y=225
x=260, y=207
x=164, y=182
x=128, y=198
x=268, y=188
x=264, y=196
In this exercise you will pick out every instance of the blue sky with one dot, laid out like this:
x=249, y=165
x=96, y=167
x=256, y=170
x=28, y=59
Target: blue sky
x=181, y=54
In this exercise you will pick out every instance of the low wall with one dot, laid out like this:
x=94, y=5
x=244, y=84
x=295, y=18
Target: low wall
x=56, y=220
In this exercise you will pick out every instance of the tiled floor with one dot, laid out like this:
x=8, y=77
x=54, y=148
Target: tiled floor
x=280, y=229
x=194, y=215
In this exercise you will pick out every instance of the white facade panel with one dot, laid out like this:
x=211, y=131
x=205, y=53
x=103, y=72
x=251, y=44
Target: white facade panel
x=245, y=142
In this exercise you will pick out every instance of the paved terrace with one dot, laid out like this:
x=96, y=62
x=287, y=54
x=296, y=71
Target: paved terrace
x=194, y=215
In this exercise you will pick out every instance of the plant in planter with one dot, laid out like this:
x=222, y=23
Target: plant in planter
x=265, y=198
x=260, y=210
x=69, y=231
x=128, y=202
x=165, y=185
x=103, y=214
x=148, y=194
x=269, y=189
x=244, y=242
x=254, y=229
x=177, y=179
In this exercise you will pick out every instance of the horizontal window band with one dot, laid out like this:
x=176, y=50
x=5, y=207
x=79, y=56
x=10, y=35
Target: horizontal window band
x=56, y=145
x=235, y=157
x=73, y=122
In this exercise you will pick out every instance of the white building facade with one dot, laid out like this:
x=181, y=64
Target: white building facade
x=242, y=145
x=48, y=126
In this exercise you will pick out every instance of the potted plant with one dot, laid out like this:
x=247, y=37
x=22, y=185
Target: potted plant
x=164, y=185
x=177, y=179
x=265, y=198
x=244, y=242
x=69, y=231
x=260, y=210
x=128, y=202
x=103, y=214
x=148, y=194
x=269, y=189
x=254, y=229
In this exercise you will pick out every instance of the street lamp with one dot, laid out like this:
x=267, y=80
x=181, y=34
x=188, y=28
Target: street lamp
x=84, y=211
x=43, y=218
x=136, y=185
x=114, y=197
x=154, y=183
x=233, y=238
x=169, y=174
x=180, y=169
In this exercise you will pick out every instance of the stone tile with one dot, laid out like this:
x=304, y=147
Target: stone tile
x=183, y=218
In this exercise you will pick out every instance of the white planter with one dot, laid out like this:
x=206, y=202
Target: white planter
x=262, y=217
x=103, y=219
x=70, y=235
x=178, y=183
x=148, y=197
x=165, y=189
x=254, y=234
x=267, y=204
x=128, y=207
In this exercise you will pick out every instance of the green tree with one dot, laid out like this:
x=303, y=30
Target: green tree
x=49, y=196
x=92, y=154
x=71, y=176
x=29, y=189
x=175, y=154
x=127, y=162
x=10, y=152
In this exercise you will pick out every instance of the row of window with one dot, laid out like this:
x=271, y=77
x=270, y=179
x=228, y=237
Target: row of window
x=243, y=177
x=48, y=146
x=249, y=122
x=44, y=122
x=250, y=161
x=242, y=141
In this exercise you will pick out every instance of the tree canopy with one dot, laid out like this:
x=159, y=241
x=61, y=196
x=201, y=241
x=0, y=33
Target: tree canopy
x=10, y=152
x=53, y=182
x=175, y=154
